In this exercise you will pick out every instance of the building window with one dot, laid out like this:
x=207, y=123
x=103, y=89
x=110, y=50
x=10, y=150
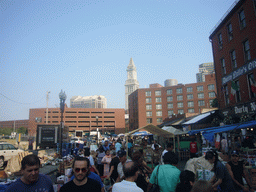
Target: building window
x=159, y=113
x=211, y=87
x=158, y=106
x=252, y=85
x=235, y=91
x=210, y=102
x=149, y=113
x=148, y=107
x=242, y=19
x=179, y=90
x=180, y=111
x=200, y=88
x=148, y=93
x=233, y=59
x=211, y=94
x=148, y=100
x=191, y=104
x=190, y=96
x=201, y=103
x=220, y=41
x=158, y=99
x=170, y=112
x=170, y=105
x=170, y=98
x=200, y=95
x=192, y=110
x=169, y=91
x=247, y=54
x=230, y=31
x=157, y=93
x=179, y=97
x=226, y=95
x=159, y=120
x=189, y=89
x=223, y=66
x=149, y=120
x=180, y=105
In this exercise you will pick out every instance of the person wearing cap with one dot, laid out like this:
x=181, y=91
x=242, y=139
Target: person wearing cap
x=123, y=159
x=237, y=170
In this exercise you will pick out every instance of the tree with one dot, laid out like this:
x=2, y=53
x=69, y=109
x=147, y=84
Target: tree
x=215, y=103
x=6, y=131
x=22, y=130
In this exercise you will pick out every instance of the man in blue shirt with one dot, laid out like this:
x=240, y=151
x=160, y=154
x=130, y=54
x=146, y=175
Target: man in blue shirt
x=31, y=180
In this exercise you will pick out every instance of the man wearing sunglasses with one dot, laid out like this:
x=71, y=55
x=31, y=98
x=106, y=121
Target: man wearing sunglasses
x=81, y=182
x=237, y=171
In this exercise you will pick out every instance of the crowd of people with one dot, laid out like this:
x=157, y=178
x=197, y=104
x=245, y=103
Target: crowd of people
x=138, y=170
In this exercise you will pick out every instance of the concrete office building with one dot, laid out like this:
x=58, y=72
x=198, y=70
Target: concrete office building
x=156, y=103
x=233, y=43
x=131, y=84
x=204, y=69
x=96, y=101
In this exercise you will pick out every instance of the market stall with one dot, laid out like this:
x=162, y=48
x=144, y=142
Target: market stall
x=152, y=129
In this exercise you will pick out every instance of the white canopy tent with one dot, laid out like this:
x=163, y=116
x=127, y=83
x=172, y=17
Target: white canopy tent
x=175, y=132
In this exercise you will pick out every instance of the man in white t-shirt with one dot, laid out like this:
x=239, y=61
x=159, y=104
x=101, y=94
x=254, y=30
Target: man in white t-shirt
x=131, y=172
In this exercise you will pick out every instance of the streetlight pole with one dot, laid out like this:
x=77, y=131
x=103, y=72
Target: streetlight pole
x=97, y=121
x=62, y=96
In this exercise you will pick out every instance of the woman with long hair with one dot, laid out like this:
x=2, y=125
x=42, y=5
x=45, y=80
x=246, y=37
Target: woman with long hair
x=187, y=180
x=106, y=161
x=221, y=176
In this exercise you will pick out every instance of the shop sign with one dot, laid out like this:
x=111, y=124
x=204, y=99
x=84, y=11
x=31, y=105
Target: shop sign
x=241, y=71
x=246, y=108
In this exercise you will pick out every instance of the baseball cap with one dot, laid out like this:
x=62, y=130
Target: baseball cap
x=121, y=153
x=235, y=153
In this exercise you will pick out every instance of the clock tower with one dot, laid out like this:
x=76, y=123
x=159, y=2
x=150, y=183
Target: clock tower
x=131, y=84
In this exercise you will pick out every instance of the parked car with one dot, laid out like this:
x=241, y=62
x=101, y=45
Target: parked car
x=7, y=151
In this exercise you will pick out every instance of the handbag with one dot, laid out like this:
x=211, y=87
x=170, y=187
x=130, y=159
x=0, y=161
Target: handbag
x=155, y=187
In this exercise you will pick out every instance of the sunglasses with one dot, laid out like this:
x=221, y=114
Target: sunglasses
x=77, y=170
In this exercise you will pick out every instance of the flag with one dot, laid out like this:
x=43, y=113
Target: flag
x=253, y=85
x=234, y=89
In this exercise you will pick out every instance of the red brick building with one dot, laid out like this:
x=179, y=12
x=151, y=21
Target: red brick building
x=154, y=104
x=110, y=120
x=14, y=124
x=233, y=43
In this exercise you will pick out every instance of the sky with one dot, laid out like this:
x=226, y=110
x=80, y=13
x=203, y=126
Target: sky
x=83, y=47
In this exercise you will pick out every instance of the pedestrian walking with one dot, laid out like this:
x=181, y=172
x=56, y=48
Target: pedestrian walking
x=113, y=174
x=31, y=179
x=144, y=170
x=100, y=155
x=106, y=162
x=167, y=175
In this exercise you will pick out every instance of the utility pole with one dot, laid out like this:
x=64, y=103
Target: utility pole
x=47, y=99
